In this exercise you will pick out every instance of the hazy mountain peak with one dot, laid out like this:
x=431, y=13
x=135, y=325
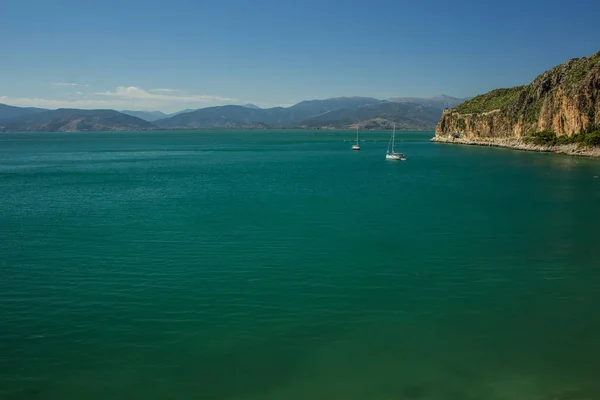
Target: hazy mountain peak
x=146, y=115
x=8, y=112
x=441, y=101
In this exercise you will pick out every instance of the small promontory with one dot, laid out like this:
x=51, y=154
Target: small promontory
x=559, y=111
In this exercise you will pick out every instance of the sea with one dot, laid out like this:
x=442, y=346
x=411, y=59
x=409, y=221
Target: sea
x=268, y=265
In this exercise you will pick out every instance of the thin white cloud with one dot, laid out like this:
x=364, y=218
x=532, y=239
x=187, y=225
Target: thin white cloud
x=135, y=93
x=64, y=84
x=51, y=103
x=165, y=90
x=122, y=98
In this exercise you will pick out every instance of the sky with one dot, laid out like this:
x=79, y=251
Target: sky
x=180, y=54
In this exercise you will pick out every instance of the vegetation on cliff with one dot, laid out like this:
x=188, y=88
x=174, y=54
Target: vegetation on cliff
x=548, y=138
x=497, y=99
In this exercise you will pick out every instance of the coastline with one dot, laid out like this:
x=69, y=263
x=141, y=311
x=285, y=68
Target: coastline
x=517, y=144
x=218, y=128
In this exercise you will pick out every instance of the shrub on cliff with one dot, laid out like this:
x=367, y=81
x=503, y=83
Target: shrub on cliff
x=544, y=138
x=592, y=139
x=548, y=138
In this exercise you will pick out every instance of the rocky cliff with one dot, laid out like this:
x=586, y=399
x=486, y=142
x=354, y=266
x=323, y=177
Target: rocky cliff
x=564, y=100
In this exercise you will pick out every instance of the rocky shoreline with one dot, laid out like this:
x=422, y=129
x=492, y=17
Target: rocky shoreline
x=517, y=144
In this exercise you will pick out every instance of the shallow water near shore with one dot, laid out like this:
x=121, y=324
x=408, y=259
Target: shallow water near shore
x=572, y=149
x=282, y=265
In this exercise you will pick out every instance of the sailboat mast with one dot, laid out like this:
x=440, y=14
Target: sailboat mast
x=394, y=139
x=356, y=134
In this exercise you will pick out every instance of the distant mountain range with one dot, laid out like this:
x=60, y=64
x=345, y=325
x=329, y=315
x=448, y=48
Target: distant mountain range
x=340, y=112
x=73, y=120
x=442, y=101
x=151, y=116
x=245, y=117
x=8, y=112
x=378, y=116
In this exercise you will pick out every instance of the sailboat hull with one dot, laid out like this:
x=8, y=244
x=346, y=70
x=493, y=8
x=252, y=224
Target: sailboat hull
x=395, y=156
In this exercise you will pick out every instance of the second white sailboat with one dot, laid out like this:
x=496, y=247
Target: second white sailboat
x=391, y=152
x=356, y=146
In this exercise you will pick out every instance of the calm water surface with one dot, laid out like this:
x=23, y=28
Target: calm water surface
x=282, y=265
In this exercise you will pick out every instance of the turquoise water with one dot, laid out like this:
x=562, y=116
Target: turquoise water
x=282, y=265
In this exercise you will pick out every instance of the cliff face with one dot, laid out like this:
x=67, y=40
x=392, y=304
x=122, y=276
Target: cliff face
x=564, y=100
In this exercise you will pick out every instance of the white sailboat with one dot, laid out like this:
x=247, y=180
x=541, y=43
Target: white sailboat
x=356, y=146
x=391, y=152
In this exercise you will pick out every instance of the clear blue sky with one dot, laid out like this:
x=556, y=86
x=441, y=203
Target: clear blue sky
x=115, y=54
